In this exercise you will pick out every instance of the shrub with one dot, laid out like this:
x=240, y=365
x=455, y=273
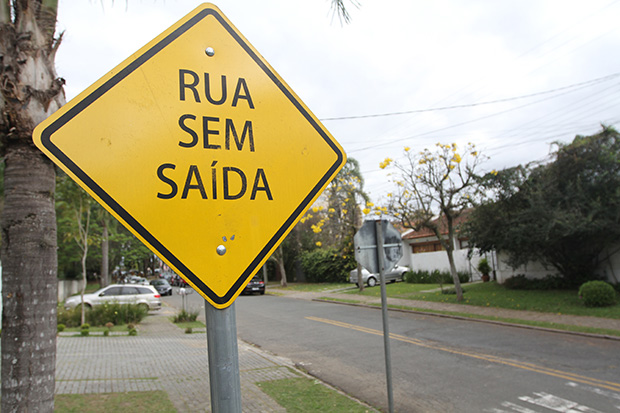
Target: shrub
x=184, y=317
x=188, y=330
x=60, y=327
x=327, y=265
x=130, y=326
x=69, y=318
x=101, y=315
x=106, y=333
x=109, y=325
x=85, y=329
x=484, y=267
x=117, y=314
x=521, y=282
x=597, y=294
x=133, y=332
x=434, y=277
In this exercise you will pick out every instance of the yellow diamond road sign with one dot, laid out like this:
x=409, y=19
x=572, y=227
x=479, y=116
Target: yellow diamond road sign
x=199, y=147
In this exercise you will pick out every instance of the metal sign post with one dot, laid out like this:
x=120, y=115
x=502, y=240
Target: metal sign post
x=378, y=246
x=224, y=379
x=384, y=313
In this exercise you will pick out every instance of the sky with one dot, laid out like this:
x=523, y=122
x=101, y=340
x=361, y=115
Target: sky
x=510, y=76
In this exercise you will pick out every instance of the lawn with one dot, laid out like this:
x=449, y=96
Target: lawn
x=308, y=395
x=310, y=287
x=495, y=295
x=134, y=402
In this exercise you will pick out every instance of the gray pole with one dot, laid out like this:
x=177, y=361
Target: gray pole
x=384, y=312
x=223, y=359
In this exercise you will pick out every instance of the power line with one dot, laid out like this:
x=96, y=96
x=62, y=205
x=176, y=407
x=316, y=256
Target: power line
x=575, y=86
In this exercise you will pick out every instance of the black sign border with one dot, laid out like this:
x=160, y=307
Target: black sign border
x=47, y=135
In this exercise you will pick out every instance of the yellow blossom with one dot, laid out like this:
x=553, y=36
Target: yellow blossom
x=366, y=210
x=331, y=210
x=385, y=163
x=407, y=149
x=315, y=209
x=369, y=204
x=318, y=243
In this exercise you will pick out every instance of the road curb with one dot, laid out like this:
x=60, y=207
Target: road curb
x=480, y=320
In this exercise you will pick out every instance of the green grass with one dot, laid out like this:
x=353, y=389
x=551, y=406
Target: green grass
x=312, y=287
x=130, y=402
x=395, y=289
x=91, y=288
x=542, y=324
x=494, y=295
x=307, y=395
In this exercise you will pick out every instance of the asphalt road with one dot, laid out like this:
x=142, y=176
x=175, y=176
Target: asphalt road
x=438, y=364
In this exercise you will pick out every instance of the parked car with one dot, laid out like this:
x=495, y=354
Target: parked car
x=144, y=295
x=134, y=279
x=394, y=274
x=256, y=285
x=162, y=286
x=177, y=281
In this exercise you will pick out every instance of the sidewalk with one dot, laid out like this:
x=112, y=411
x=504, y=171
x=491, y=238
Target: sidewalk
x=163, y=357
x=430, y=307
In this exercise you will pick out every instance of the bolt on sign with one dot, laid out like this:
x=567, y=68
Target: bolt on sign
x=197, y=146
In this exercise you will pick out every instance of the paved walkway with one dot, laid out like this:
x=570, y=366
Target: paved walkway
x=565, y=319
x=163, y=357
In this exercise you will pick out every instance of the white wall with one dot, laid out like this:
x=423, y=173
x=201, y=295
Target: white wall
x=438, y=260
x=531, y=269
x=609, y=267
x=67, y=288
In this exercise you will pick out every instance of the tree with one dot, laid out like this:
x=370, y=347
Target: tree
x=336, y=216
x=106, y=221
x=79, y=205
x=342, y=217
x=29, y=92
x=562, y=214
x=433, y=189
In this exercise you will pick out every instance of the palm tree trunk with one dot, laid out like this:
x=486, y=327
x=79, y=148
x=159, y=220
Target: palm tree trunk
x=29, y=281
x=29, y=92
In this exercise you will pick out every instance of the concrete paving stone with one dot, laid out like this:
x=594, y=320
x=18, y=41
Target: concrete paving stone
x=162, y=357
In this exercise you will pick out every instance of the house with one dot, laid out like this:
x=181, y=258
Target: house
x=423, y=251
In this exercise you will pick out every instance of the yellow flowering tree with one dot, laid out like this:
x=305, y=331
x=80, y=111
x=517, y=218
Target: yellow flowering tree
x=432, y=189
x=332, y=222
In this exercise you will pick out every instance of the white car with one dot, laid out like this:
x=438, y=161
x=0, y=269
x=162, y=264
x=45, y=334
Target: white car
x=144, y=295
x=396, y=273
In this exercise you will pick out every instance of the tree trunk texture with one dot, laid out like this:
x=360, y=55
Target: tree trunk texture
x=29, y=93
x=29, y=282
